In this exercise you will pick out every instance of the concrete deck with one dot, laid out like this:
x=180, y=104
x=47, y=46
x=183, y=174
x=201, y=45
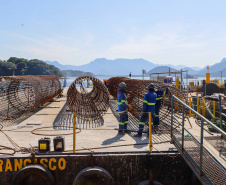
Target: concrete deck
x=99, y=136
x=54, y=118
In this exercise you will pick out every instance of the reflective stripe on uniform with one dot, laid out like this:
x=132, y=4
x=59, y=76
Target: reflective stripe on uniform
x=156, y=115
x=151, y=103
x=142, y=123
x=120, y=103
x=159, y=98
x=126, y=121
x=145, y=101
x=121, y=123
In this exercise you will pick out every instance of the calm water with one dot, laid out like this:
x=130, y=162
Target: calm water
x=101, y=78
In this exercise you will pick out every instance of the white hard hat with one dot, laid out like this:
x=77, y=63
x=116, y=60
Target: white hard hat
x=122, y=84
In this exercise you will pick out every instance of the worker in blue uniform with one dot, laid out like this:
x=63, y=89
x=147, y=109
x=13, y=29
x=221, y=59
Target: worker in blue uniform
x=158, y=103
x=148, y=107
x=122, y=109
x=224, y=86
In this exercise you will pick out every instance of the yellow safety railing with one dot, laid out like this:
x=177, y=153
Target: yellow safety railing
x=177, y=83
x=203, y=107
x=195, y=82
x=214, y=107
x=191, y=107
x=218, y=82
x=150, y=132
x=198, y=105
x=89, y=84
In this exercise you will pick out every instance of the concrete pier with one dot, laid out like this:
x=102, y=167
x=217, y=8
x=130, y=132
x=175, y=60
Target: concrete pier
x=101, y=136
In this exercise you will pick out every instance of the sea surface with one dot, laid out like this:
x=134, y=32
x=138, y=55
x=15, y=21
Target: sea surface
x=186, y=81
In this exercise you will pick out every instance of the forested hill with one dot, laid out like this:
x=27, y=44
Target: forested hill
x=21, y=66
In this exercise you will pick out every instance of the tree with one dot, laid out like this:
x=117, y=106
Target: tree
x=17, y=60
x=7, y=68
x=21, y=66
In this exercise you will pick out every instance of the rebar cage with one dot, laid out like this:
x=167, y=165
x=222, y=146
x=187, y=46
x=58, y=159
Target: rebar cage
x=88, y=98
x=135, y=90
x=20, y=95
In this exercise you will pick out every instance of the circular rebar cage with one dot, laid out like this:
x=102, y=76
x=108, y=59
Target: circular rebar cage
x=20, y=95
x=88, y=98
x=135, y=90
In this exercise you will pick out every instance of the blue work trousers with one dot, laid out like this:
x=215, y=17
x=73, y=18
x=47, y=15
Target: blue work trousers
x=123, y=121
x=157, y=108
x=143, y=119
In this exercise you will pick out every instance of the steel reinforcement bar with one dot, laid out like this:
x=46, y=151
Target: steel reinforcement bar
x=20, y=95
x=135, y=90
x=88, y=98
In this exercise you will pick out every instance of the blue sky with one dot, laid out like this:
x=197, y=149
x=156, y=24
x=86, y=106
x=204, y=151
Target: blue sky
x=191, y=32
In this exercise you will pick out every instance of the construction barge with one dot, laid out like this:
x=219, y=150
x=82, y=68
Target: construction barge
x=181, y=151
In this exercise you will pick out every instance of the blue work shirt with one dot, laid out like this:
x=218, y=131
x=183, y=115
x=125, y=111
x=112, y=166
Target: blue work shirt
x=122, y=101
x=160, y=93
x=149, y=101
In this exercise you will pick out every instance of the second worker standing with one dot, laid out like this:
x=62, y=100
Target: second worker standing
x=148, y=107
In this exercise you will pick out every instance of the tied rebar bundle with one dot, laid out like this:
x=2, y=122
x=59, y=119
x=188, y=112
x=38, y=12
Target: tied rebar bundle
x=135, y=90
x=88, y=98
x=20, y=95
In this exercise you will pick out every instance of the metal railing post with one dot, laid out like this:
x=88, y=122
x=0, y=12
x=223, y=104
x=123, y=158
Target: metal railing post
x=220, y=111
x=190, y=105
x=171, y=132
x=182, y=144
x=198, y=105
x=203, y=107
x=201, y=148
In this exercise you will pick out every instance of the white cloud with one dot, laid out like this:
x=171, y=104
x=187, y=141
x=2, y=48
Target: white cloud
x=171, y=44
x=162, y=43
x=58, y=48
x=48, y=48
x=155, y=42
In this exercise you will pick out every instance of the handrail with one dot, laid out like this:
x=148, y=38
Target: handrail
x=223, y=114
x=197, y=167
x=199, y=115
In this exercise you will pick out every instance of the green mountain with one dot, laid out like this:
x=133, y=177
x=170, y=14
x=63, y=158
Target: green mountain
x=161, y=69
x=21, y=66
x=103, y=66
x=214, y=70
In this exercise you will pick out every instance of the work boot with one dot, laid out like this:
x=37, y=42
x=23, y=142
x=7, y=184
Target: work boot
x=121, y=133
x=137, y=135
x=127, y=131
x=156, y=127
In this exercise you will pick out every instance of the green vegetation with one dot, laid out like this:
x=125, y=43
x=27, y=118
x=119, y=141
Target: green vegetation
x=77, y=73
x=21, y=66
